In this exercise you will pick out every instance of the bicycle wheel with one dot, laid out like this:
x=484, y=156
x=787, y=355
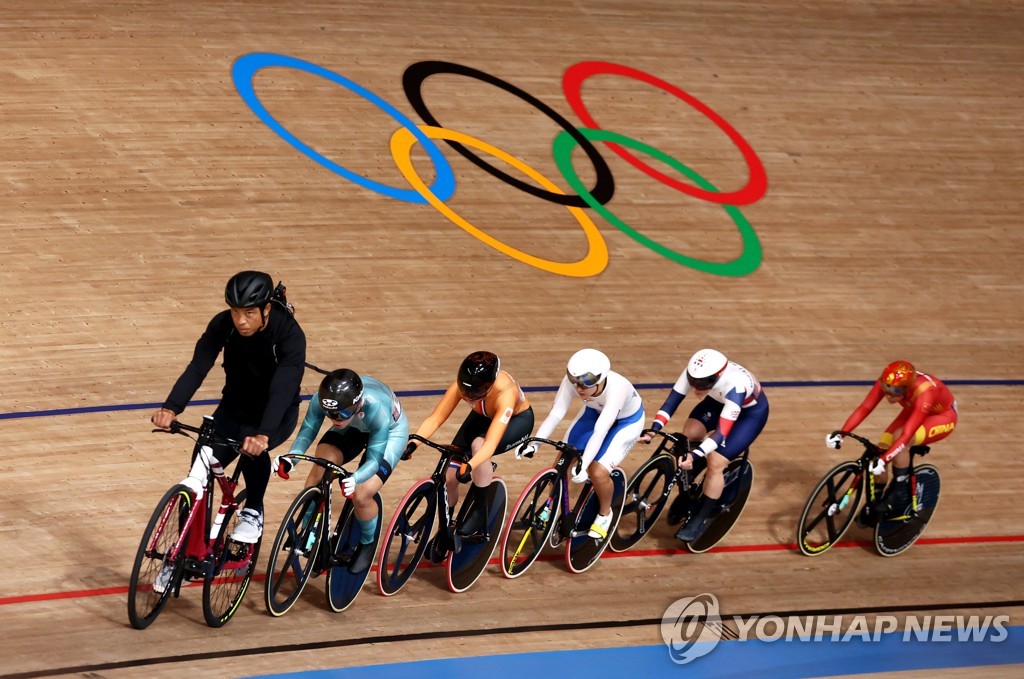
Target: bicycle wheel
x=233, y=565
x=465, y=567
x=739, y=477
x=896, y=535
x=646, y=497
x=581, y=550
x=343, y=586
x=154, y=556
x=407, y=537
x=531, y=523
x=830, y=509
x=293, y=554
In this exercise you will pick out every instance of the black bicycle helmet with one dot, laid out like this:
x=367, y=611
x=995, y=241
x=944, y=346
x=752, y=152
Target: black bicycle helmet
x=249, y=289
x=477, y=374
x=340, y=394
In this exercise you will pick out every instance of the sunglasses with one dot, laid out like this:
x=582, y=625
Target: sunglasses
x=702, y=383
x=338, y=415
x=584, y=381
x=894, y=391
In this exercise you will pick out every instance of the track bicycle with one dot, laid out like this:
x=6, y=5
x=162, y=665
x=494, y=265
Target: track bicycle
x=306, y=546
x=833, y=504
x=407, y=539
x=543, y=515
x=652, y=483
x=187, y=540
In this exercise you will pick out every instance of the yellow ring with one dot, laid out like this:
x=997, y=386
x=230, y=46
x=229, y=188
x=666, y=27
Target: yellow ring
x=597, y=253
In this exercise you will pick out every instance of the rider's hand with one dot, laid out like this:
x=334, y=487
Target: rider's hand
x=162, y=418
x=581, y=476
x=685, y=461
x=410, y=448
x=877, y=467
x=465, y=473
x=526, y=450
x=255, y=445
x=281, y=466
x=646, y=438
x=834, y=440
x=348, y=486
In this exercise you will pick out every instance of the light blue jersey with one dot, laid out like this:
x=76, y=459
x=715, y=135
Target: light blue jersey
x=381, y=417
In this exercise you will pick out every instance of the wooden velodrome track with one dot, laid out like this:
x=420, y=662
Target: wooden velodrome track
x=136, y=180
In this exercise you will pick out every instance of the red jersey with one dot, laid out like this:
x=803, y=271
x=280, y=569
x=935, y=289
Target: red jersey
x=927, y=397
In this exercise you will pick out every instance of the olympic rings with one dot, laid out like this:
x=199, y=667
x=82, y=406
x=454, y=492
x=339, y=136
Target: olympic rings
x=596, y=259
x=245, y=69
x=572, y=82
x=597, y=251
x=747, y=262
x=412, y=82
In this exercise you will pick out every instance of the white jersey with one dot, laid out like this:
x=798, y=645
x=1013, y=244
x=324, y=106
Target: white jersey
x=618, y=400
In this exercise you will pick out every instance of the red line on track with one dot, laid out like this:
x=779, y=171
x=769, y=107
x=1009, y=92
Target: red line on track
x=78, y=594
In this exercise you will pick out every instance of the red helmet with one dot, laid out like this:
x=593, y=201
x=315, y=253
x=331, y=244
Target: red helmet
x=897, y=378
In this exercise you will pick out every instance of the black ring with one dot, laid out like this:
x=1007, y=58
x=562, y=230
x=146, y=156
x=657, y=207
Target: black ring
x=412, y=82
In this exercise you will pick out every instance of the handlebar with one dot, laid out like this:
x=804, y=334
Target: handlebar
x=341, y=472
x=869, y=446
x=205, y=433
x=447, y=450
x=561, y=446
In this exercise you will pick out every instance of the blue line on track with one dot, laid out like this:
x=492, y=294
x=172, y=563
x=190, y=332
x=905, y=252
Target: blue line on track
x=437, y=392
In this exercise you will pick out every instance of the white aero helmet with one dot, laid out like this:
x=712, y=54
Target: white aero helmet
x=588, y=368
x=705, y=367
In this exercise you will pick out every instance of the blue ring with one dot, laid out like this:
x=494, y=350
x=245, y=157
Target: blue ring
x=243, y=72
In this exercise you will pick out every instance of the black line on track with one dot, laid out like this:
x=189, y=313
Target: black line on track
x=523, y=629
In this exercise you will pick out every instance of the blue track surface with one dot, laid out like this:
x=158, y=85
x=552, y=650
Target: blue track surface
x=785, y=659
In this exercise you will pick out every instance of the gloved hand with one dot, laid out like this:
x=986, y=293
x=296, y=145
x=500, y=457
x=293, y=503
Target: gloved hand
x=281, y=466
x=834, y=440
x=877, y=467
x=581, y=475
x=526, y=450
x=465, y=473
x=410, y=448
x=348, y=486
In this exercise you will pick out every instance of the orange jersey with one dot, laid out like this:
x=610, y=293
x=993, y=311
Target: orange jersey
x=927, y=398
x=505, y=400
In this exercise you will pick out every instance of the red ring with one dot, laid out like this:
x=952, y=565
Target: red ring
x=572, y=83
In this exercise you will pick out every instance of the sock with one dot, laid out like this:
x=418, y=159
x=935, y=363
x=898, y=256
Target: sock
x=367, y=529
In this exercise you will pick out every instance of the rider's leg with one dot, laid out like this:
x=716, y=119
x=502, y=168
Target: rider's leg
x=328, y=452
x=367, y=517
x=475, y=521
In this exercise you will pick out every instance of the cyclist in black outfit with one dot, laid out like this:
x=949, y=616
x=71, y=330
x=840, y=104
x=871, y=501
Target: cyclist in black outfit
x=264, y=359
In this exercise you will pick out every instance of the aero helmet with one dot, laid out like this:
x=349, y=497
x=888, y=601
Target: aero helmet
x=249, y=289
x=704, y=369
x=897, y=378
x=588, y=368
x=340, y=394
x=477, y=374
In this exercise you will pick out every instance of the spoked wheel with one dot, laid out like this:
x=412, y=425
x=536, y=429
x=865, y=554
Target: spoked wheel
x=233, y=566
x=406, y=537
x=895, y=535
x=343, y=586
x=830, y=509
x=531, y=523
x=465, y=567
x=646, y=497
x=153, y=558
x=293, y=554
x=739, y=477
x=583, y=551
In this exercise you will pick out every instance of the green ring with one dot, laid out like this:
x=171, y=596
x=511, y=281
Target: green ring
x=746, y=263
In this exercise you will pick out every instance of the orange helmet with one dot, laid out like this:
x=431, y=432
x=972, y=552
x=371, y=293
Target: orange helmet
x=897, y=378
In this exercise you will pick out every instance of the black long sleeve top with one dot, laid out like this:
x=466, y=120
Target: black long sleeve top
x=263, y=372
